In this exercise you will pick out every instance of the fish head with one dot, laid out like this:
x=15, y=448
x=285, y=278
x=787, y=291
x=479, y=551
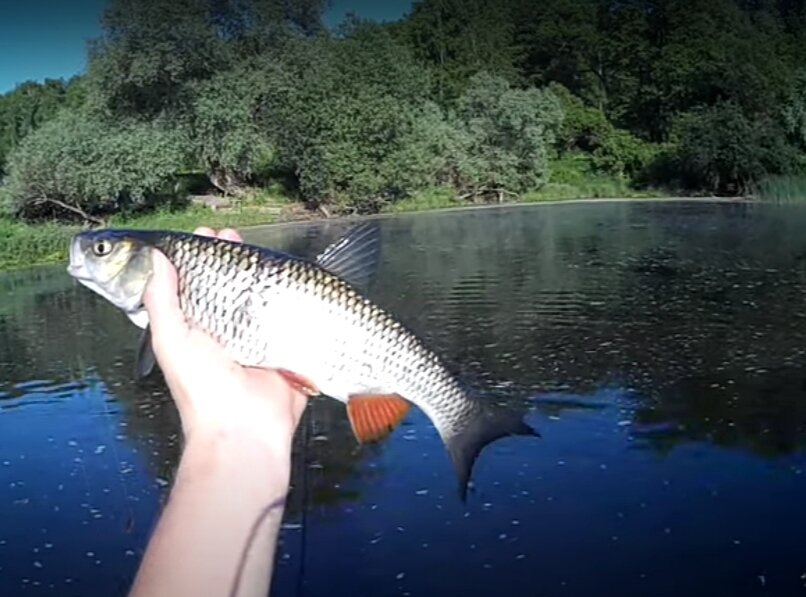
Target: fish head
x=115, y=264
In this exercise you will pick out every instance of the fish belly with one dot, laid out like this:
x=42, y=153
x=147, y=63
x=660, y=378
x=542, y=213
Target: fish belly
x=335, y=349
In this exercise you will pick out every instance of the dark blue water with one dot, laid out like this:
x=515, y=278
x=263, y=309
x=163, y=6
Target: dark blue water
x=658, y=347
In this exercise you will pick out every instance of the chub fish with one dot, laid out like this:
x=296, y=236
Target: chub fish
x=307, y=318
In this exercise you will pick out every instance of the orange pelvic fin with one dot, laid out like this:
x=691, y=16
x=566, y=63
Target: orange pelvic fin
x=375, y=416
x=301, y=383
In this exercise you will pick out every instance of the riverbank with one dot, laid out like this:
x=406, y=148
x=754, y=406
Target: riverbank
x=27, y=245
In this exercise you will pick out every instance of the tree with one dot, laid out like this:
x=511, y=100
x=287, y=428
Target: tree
x=228, y=140
x=78, y=165
x=719, y=149
x=506, y=135
x=148, y=50
x=29, y=106
x=459, y=38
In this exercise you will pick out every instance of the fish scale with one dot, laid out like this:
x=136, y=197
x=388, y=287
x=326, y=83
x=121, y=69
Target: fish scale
x=306, y=318
x=247, y=279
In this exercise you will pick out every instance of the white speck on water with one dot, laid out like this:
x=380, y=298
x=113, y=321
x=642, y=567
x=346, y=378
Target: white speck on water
x=375, y=540
x=623, y=423
x=72, y=443
x=421, y=492
x=48, y=545
x=37, y=564
x=516, y=522
x=129, y=552
x=161, y=482
x=520, y=556
x=502, y=536
x=762, y=579
x=400, y=575
x=737, y=542
x=90, y=554
x=400, y=529
x=561, y=462
x=100, y=449
x=667, y=530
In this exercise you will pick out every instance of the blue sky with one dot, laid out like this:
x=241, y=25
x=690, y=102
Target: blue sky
x=47, y=38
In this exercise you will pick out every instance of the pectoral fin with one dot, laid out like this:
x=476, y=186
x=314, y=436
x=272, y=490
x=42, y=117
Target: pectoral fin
x=145, y=356
x=375, y=416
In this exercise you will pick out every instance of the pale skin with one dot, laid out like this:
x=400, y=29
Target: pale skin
x=234, y=472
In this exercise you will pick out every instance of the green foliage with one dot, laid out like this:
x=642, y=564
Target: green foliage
x=22, y=245
x=350, y=118
x=489, y=100
x=30, y=105
x=719, y=149
x=75, y=162
x=504, y=136
x=459, y=38
x=794, y=111
x=614, y=151
x=148, y=49
x=432, y=198
x=781, y=188
x=228, y=140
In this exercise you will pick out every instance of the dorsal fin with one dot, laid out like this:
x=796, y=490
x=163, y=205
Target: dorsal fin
x=354, y=257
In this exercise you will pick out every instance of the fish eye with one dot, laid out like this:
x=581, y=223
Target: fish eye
x=102, y=247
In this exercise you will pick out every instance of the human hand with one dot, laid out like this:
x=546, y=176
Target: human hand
x=215, y=396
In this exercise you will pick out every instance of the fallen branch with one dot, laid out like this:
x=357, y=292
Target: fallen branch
x=71, y=208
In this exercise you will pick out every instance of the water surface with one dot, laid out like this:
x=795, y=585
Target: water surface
x=657, y=347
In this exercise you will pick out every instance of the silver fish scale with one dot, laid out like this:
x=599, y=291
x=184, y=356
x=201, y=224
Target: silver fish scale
x=272, y=310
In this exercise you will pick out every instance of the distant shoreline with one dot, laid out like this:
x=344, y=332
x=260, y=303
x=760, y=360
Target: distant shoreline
x=318, y=219
x=32, y=245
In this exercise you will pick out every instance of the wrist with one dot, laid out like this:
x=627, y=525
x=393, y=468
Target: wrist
x=248, y=463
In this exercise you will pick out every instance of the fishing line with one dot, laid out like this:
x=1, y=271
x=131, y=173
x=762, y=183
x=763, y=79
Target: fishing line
x=118, y=466
x=304, y=489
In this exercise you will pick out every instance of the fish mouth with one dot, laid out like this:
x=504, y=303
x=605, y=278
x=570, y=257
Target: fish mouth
x=77, y=267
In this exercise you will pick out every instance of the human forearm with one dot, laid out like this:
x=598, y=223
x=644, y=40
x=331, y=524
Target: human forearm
x=229, y=492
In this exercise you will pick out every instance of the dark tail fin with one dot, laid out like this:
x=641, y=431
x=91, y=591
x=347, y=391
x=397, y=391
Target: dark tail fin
x=488, y=426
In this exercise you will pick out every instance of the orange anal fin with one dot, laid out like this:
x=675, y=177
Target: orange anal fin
x=299, y=382
x=375, y=416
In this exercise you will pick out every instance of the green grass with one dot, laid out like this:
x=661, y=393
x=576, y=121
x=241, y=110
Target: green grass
x=24, y=245
x=191, y=217
x=781, y=189
x=598, y=187
x=437, y=198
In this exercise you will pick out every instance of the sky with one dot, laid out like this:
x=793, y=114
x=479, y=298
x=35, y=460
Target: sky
x=42, y=39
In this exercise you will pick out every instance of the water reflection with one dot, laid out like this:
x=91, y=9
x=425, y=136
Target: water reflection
x=660, y=348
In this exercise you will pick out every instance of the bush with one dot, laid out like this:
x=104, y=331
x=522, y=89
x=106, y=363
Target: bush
x=720, y=149
x=503, y=137
x=86, y=166
x=228, y=140
x=614, y=151
x=352, y=120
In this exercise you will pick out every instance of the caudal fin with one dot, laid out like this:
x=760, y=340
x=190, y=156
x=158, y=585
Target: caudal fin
x=489, y=426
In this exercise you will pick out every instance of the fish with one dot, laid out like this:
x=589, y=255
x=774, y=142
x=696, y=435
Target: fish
x=308, y=318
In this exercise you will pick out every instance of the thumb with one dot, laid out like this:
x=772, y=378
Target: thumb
x=161, y=300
